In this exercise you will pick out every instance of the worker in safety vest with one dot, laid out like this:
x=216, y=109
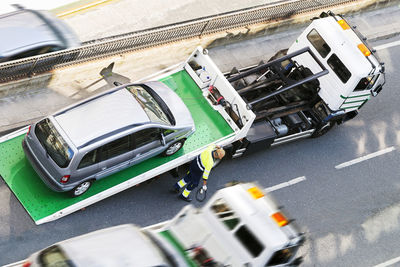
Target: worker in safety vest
x=199, y=168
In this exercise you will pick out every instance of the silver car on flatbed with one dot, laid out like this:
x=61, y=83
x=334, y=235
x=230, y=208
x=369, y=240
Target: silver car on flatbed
x=107, y=133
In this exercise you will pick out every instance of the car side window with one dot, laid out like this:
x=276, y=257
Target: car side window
x=89, y=159
x=146, y=136
x=115, y=148
x=168, y=131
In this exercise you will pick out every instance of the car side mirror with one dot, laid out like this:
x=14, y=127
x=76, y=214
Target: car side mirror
x=163, y=142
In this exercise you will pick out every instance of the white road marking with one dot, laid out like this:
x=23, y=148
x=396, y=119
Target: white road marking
x=285, y=184
x=389, y=262
x=366, y=157
x=380, y=47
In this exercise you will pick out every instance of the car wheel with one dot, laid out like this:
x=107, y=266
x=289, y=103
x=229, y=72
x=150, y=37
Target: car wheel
x=173, y=148
x=81, y=188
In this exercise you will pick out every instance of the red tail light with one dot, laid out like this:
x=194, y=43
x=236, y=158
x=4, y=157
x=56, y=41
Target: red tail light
x=26, y=264
x=65, y=179
x=29, y=129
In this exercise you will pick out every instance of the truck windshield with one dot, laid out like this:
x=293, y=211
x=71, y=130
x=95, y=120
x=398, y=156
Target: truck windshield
x=53, y=143
x=282, y=256
x=54, y=257
x=149, y=104
x=366, y=83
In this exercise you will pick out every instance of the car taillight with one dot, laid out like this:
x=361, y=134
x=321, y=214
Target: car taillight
x=26, y=264
x=65, y=179
x=29, y=129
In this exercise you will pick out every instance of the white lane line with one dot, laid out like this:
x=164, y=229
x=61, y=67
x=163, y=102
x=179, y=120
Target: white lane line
x=388, y=263
x=380, y=47
x=285, y=184
x=366, y=157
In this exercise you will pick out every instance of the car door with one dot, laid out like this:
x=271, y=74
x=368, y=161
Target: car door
x=115, y=156
x=147, y=144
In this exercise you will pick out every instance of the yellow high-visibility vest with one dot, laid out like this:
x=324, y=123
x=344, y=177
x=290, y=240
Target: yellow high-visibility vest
x=206, y=159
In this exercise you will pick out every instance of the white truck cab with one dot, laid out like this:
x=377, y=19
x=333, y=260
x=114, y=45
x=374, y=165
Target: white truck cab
x=355, y=72
x=239, y=226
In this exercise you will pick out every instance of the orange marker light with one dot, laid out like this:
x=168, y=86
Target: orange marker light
x=280, y=219
x=255, y=192
x=343, y=24
x=364, y=50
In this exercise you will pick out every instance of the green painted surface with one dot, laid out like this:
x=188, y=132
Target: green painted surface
x=40, y=202
x=168, y=235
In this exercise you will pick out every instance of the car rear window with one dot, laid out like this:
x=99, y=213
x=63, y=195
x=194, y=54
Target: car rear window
x=53, y=143
x=54, y=257
x=149, y=104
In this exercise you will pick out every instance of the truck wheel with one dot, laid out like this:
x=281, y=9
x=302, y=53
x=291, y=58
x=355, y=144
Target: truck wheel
x=320, y=131
x=81, y=189
x=173, y=148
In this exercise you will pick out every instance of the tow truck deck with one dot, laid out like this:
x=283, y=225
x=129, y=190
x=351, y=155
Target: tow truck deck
x=44, y=205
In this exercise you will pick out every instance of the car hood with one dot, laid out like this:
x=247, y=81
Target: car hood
x=179, y=110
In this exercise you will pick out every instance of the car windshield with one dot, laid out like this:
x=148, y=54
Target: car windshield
x=53, y=143
x=54, y=257
x=149, y=104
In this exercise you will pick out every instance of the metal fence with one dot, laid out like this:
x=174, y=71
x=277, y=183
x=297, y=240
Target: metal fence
x=28, y=67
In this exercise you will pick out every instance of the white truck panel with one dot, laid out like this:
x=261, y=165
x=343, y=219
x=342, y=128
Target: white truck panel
x=343, y=43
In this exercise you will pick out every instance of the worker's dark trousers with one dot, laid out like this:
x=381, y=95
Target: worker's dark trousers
x=191, y=179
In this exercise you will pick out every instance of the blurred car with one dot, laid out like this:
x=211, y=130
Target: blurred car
x=123, y=245
x=26, y=33
x=107, y=133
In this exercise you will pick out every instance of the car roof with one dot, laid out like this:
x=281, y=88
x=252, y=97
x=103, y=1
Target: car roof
x=123, y=245
x=100, y=116
x=25, y=29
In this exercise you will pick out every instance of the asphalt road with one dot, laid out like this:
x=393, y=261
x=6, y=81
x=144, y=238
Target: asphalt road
x=350, y=215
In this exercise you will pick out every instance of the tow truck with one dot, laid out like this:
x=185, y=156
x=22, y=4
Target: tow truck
x=240, y=225
x=323, y=79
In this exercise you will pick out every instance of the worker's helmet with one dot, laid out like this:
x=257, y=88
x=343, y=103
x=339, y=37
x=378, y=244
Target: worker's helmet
x=220, y=153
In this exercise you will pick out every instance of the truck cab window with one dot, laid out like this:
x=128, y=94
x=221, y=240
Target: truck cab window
x=339, y=68
x=282, y=256
x=225, y=213
x=319, y=44
x=249, y=241
x=365, y=83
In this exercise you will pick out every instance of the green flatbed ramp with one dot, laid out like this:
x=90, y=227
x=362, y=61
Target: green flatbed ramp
x=41, y=203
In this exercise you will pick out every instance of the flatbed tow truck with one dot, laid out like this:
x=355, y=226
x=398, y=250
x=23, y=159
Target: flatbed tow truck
x=239, y=226
x=323, y=79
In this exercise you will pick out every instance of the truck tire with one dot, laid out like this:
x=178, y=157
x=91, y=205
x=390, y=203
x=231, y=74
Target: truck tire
x=174, y=147
x=81, y=188
x=320, y=131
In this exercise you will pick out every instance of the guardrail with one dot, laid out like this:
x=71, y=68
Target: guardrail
x=28, y=67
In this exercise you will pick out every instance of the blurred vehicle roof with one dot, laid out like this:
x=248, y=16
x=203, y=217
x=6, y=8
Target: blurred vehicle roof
x=26, y=29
